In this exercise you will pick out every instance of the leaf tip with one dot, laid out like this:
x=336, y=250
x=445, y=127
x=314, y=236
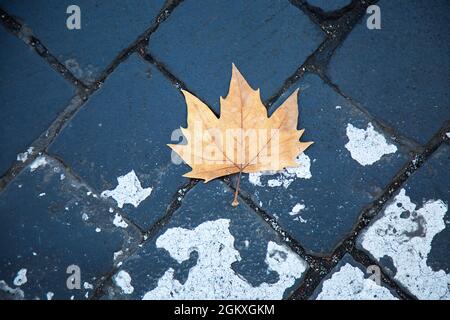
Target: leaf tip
x=235, y=70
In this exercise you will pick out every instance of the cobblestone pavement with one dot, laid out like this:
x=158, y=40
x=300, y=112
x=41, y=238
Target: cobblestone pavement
x=92, y=207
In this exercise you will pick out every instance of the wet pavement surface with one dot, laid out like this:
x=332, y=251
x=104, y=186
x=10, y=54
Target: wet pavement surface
x=92, y=205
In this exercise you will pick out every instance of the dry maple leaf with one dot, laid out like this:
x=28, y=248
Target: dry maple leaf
x=243, y=139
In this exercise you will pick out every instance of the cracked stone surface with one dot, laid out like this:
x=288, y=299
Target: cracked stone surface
x=87, y=178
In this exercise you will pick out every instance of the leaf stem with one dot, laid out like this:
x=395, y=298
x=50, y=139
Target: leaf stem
x=236, y=192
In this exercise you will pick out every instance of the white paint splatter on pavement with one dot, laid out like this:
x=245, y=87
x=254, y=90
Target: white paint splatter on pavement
x=129, y=190
x=40, y=161
x=119, y=222
x=21, y=278
x=117, y=254
x=349, y=284
x=16, y=292
x=297, y=208
x=367, y=146
x=213, y=277
x=22, y=157
x=88, y=286
x=405, y=233
x=123, y=280
x=284, y=177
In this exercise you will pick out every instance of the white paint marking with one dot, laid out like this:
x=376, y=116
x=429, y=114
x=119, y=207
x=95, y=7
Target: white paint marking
x=88, y=286
x=38, y=162
x=22, y=157
x=213, y=277
x=297, y=208
x=129, y=190
x=119, y=222
x=117, y=254
x=349, y=284
x=284, y=177
x=367, y=146
x=405, y=233
x=21, y=278
x=17, y=292
x=123, y=280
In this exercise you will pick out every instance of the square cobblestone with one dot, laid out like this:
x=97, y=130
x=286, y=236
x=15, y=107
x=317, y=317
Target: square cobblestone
x=267, y=42
x=122, y=129
x=31, y=96
x=107, y=27
x=400, y=73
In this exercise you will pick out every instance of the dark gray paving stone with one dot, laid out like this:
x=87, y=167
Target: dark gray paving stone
x=328, y=6
x=320, y=203
x=210, y=250
x=107, y=27
x=31, y=96
x=411, y=237
x=48, y=222
x=267, y=41
x=400, y=73
x=124, y=127
x=350, y=280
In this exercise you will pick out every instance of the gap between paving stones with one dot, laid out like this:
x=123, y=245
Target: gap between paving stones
x=148, y=235
x=337, y=27
x=329, y=21
x=26, y=35
x=386, y=128
x=94, y=192
x=83, y=93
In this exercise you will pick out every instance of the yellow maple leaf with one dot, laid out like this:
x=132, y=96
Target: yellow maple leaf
x=243, y=139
